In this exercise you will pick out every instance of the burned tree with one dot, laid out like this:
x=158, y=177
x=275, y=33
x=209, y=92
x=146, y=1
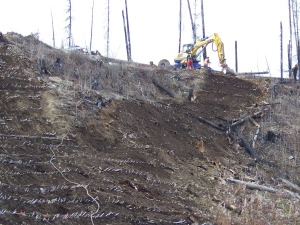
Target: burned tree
x=53, y=36
x=107, y=32
x=180, y=25
x=92, y=26
x=69, y=20
x=192, y=23
x=128, y=32
x=295, y=11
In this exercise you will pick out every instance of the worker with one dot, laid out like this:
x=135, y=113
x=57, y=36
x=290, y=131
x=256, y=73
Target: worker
x=295, y=71
x=206, y=62
x=189, y=61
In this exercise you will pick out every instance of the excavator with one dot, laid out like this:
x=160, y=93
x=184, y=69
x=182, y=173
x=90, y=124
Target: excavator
x=194, y=49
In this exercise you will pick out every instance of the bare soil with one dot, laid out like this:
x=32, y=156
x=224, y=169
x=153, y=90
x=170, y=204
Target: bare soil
x=140, y=157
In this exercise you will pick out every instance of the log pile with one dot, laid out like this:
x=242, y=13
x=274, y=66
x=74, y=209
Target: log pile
x=231, y=128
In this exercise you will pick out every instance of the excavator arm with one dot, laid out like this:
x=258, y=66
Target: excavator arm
x=220, y=48
x=216, y=40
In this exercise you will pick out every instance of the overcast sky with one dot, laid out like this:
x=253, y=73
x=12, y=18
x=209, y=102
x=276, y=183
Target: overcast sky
x=255, y=25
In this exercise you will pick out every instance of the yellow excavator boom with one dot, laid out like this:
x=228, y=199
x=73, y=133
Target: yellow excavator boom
x=215, y=38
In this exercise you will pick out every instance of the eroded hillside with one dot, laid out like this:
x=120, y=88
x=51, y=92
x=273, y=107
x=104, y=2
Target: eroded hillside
x=98, y=142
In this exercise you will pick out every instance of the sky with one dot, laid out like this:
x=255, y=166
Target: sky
x=154, y=33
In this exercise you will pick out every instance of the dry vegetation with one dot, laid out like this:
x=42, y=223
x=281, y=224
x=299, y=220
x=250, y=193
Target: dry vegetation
x=97, y=141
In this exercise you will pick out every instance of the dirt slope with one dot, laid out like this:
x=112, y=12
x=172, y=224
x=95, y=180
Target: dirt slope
x=137, y=158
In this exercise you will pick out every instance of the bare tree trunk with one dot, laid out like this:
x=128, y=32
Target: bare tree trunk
x=296, y=29
x=281, y=52
x=128, y=33
x=203, y=27
x=192, y=22
x=69, y=26
x=126, y=40
x=290, y=47
x=108, y=24
x=236, y=57
x=53, y=36
x=92, y=26
x=289, y=52
x=180, y=18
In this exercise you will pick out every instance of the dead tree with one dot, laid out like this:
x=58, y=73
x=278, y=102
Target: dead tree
x=236, y=56
x=180, y=25
x=53, y=36
x=108, y=24
x=203, y=27
x=296, y=30
x=126, y=38
x=290, y=47
x=69, y=20
x=281, y=52
x=92, y=26
x=128, y=32
x=192, y=22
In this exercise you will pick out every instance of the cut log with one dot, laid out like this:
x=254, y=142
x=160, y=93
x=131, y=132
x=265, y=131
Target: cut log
x=161, y=87
x=211, y=123
x=252, y=186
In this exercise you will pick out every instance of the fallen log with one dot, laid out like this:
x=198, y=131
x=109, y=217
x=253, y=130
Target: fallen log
x=294, y=187
x=293, y=194
x=252, y=186
x=247, y=145
x=240, y=121
x=211, y=123
x=265, y=104
x=255, y=137
x=161, y=87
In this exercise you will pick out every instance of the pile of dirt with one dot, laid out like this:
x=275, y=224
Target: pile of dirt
x=112, y=153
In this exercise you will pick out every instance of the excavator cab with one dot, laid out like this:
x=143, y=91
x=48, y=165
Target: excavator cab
x=181, y=58
x=187, y=47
